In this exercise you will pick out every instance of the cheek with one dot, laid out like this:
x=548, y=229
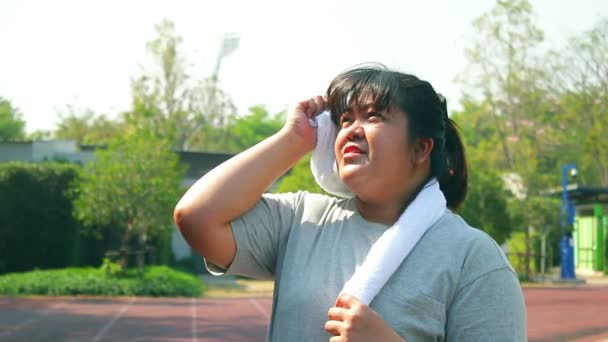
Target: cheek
x=340, y=141
x=394, y=150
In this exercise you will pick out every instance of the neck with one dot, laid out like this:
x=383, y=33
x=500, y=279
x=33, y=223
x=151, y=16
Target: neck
x=385, y=211
x=379, y=212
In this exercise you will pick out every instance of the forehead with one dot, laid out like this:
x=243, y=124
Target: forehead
x=362, y=93
x=371, y=107
x=366, y=103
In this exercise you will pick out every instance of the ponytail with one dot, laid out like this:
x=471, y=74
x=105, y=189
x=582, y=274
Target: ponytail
x=453, y=181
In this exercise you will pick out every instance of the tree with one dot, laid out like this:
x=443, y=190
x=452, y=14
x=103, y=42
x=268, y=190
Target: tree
x=36, y=215
x=247, y=130
x=86, y=128
x=133, y=187
x=299, y=178
x=170, y=103
x=580, y=101
x=40, y=134
x=12, y=126
x=486, y=205
x=511, y=117
x=505, y=74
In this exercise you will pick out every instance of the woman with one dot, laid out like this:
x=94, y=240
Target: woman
x=394, y=136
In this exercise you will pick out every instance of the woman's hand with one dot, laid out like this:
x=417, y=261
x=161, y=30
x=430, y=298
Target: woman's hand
x=352, y=321
x=298, y=123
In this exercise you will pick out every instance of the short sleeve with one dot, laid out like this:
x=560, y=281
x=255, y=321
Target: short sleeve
x=259, y=233
x=490, y=308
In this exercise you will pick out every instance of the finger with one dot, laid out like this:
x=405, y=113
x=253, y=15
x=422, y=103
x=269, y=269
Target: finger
x=303, y=106
x=320, y=103
x=337, y=314
x=337, y=339
x=311, y=107
x=306, y=104
x=333, y=327
x=347, y=301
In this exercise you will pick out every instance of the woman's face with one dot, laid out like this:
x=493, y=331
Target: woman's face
x=374, y=157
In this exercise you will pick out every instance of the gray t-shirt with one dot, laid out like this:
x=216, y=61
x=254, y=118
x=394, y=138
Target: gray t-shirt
x=456, y=284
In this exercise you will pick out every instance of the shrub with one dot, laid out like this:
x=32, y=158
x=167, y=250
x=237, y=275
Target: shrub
x=36, y=215
x=154, y=281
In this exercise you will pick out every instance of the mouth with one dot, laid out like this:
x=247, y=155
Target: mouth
x=352, y=149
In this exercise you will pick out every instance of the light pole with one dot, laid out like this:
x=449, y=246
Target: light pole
x=567, y=219
x=230, y=42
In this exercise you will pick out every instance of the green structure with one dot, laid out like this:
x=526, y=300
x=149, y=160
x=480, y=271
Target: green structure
x=590, y=227
x=590, y=240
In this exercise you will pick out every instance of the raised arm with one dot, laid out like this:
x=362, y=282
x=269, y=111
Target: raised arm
x=204, y=213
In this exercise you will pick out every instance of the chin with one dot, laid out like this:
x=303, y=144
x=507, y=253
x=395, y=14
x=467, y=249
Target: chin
x=352, y=175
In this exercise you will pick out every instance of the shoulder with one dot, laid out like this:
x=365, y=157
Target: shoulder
x=301, y=198
x=311, y=201
x=311, y=204
x=471, y=250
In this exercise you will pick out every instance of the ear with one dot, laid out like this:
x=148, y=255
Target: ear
x=423, y=148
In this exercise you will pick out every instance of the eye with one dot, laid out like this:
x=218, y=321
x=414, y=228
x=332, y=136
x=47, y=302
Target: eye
x=344, y=119
x=374, y=116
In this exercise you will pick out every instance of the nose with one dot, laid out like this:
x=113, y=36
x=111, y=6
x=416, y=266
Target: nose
x=354, y=131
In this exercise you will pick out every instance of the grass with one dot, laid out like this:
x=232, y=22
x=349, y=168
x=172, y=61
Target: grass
x=155, y=281
x=241, y=287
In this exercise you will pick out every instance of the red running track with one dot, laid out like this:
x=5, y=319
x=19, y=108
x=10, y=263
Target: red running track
x=567, y=314
x=554, y=314
x=133, y=319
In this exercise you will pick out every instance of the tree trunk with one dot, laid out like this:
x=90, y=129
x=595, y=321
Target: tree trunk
x=141, y=252
x=124, y=246
x=501, y=133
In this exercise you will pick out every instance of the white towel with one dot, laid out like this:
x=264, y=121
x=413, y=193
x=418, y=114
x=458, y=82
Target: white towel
x=323, y=159
x=389, y=251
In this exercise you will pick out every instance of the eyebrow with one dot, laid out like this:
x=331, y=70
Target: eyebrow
x=366, y=107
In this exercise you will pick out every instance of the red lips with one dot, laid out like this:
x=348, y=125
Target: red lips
x=352, y=149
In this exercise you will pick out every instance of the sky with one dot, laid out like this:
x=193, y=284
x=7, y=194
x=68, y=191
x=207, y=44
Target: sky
x=85, y=53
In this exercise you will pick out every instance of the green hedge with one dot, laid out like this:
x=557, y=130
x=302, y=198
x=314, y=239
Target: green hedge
x=38, y=229
x=36, y=224
x=155, y=281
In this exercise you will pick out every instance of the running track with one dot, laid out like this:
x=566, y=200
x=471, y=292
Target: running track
x=554, y=314
x=133, y=319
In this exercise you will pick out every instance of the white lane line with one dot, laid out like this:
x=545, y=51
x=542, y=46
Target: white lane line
x=114, y=319
x=194, y=303
x=260, y=308
x=33, y=319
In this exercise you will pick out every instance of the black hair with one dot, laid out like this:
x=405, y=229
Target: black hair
x=427, y=115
